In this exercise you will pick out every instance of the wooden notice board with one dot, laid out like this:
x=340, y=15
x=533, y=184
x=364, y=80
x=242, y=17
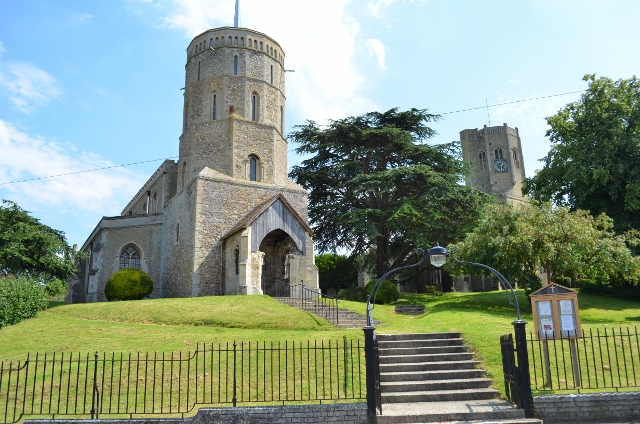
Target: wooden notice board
x=555, y=312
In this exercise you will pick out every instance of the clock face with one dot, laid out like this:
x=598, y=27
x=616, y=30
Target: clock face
x=500, y=165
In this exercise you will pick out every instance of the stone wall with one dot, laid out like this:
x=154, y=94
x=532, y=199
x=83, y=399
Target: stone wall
x=597, y=407
x=352, y=413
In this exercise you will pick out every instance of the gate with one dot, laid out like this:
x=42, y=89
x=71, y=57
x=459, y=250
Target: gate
x=509, y=368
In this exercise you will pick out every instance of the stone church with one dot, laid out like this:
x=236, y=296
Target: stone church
x=223, y=219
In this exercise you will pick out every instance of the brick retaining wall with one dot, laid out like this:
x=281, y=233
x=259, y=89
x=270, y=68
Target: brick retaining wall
x=352, y=413
x=588, y=407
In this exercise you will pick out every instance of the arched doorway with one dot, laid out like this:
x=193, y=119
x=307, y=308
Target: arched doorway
x=280, y=255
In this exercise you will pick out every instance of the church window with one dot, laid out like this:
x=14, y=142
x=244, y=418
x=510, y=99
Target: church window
x=230, y=40
x=253, y=168
x=482, y=161
x=130, y=258
x=186, y=113
x=271, y=74
x=154, y=204
x=210, y=42
x=281, y=120
x=237, y=259
x=235, y=41
x=198, y=71
x=215, y=107
x=261, y=46
x=499, y=154
x=242, y=41
x=516, y=163
x=184, y=173
x=177, y=232
x=254, y=106
x=235, y=65
x=255, y=44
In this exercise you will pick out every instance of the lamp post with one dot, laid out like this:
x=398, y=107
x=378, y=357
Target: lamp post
x=438, y=257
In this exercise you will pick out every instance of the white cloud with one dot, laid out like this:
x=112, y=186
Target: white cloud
x=27, y=157
x=28, y=87
x=375, y=7
x=378, y=49
x=2, y=49
x=320, y=41
x=82, y=16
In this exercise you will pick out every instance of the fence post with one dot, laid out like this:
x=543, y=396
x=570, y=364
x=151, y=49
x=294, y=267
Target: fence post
x=524, y=378
x=370, y=372
x=94, y=401
x=235, y=399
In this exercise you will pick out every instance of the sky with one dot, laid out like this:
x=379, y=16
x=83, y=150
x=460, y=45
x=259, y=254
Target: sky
x=88, y=85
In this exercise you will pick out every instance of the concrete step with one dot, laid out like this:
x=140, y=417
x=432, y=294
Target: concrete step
x=423, y=350
x=390, y=344
x=495, y=411
x=417, y=336
x=435, y=385
x=437, y=357
x=428, y=366
x=431, y=375
x=439, y=395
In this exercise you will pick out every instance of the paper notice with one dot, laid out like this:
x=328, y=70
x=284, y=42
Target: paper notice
x=544, y=308
x=547, y=326
x=565, y=307
x=566, y=321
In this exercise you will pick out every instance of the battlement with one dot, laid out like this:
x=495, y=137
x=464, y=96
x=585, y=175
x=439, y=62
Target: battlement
x=238, y=38
x=476, y=133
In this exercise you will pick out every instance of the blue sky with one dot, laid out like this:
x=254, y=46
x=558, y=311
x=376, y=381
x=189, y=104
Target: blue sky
x=87, y=85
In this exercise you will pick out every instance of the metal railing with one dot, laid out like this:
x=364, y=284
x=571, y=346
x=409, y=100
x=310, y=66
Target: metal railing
x=606, y=358
x=312, y=300
x=175, y=383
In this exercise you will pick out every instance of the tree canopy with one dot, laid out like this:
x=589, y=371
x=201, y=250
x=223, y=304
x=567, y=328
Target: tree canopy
x=336, y=271
x=594, y=161
x=520, y=240
x=28, y=247
x=375, y=185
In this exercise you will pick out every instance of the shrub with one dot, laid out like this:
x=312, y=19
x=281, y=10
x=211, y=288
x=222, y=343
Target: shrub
x=20, y=299
x=387, y=293
x=128, y=284
x=563, y=281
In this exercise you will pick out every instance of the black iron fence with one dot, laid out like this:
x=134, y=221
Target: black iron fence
x=312, y=300
x=606, y=358
x=130, y=384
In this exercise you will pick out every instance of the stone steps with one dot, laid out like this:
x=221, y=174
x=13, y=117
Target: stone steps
x=431, y=377
x=345, y=318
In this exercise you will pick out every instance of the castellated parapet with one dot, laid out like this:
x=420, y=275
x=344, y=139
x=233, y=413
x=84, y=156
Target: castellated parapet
x=495, y=156
x=234, y=106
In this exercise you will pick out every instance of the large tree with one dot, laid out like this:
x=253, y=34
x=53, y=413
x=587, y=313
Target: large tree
x=521, y=240
x=28, y=247
x=594, y=162
x=376, y=185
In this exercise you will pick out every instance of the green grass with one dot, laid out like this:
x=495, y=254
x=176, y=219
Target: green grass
x=166, y=325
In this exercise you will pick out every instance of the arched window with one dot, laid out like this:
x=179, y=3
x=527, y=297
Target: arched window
x=130, y=258
x=214, y=106
x=198, y=71
x=482, y=161
x=235, y=65
x=183, y=177
x=253, y=168
x=271, y=74
x=499, y=154
x=237, y=259
x=254, y=107
x=516, y=163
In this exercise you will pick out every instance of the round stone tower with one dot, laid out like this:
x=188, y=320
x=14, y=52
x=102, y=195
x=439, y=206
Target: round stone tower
x=234, y=105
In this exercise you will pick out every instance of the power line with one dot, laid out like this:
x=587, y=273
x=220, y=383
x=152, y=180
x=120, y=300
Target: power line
x=87, y=170
x=509, y=103
x=486, y=106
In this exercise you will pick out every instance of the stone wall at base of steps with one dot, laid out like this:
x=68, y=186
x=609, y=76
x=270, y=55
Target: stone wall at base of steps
x=349, y=413
x=588, y=407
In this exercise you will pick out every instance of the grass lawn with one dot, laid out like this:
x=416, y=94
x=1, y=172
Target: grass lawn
x=165, y=325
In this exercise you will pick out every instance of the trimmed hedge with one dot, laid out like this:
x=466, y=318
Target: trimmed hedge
x=128, y=284
x=387, y=293
x=20, y=299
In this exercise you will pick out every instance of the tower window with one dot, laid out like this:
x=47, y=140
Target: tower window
x=235, y=65
x=482, y=161
x=281, y=120
x=186, y=113
x=516, y=163
x=253, y=168
x=237, y=259
x=215, y=107
x=498, y=153
x=198, y=71
x=271, y=74
x=254, y=107
x=130, y=258
x=184, y=173
x=177, y=232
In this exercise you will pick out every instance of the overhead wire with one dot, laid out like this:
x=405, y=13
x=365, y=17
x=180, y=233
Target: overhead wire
x=486, y=106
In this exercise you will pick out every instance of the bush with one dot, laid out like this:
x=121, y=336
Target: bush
x=387, y=293
x=128, y=284
x=20, y=299
x=563, y=281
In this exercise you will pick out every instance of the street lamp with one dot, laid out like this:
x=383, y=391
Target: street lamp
x=438, y=257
